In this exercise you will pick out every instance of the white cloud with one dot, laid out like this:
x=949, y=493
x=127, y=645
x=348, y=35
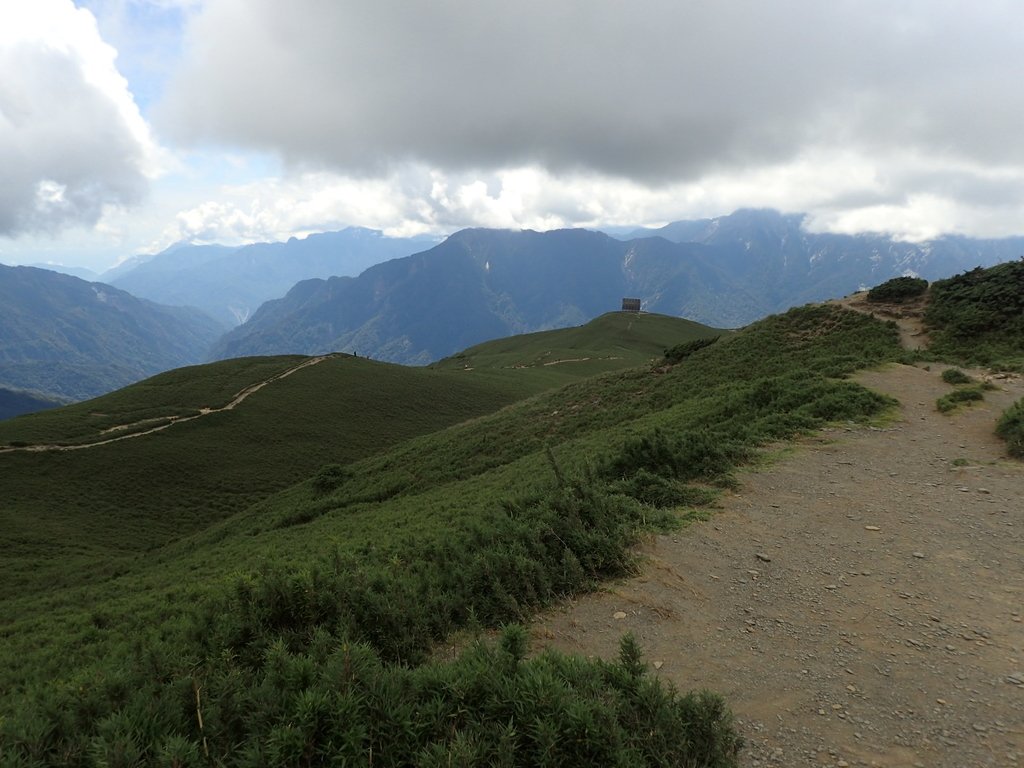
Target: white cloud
x=661, y=91
x=427, y=117
x=72, y=140
x=841, y=193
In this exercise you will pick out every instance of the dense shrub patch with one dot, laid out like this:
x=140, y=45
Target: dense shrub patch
x=955, y=376
x=337, y=703
x=977, y=318
x=959, y=397
x=682, y=351
x=1011, y=429
x=898, y=289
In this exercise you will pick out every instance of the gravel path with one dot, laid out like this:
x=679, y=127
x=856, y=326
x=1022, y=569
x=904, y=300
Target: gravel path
x=858, y=601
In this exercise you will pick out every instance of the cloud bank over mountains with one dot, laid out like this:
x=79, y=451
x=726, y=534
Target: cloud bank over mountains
x=281, y=118
x=871, y=115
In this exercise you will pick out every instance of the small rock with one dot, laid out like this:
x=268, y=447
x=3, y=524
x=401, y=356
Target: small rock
x=659, y=664
x=918, y=555
x=619, y=615
x=872, y=528
x=763, y=557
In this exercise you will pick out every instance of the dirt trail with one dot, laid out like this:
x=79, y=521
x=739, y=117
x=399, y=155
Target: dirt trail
x=908, y=316
x=858, y=602
x=170, y=421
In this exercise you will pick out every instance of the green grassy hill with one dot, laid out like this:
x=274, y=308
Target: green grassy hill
x=612, y=341
x=134, y=494
x=288, y=566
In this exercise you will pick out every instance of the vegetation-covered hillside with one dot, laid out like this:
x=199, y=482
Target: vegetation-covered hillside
x=14, y=402
x=610, y=342
x=65, y=337
x=978, y=317
x=300, y=628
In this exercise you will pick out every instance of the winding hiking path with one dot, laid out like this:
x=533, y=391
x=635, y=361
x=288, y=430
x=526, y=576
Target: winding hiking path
x=858, y=602
x=170, y=421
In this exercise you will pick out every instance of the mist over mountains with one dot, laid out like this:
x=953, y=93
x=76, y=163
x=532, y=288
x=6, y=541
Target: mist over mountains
x=229, y=284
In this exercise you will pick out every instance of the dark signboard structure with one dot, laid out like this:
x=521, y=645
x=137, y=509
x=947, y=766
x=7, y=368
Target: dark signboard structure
x=631, y=305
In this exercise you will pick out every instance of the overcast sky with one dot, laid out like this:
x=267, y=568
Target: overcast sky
x=127, y=125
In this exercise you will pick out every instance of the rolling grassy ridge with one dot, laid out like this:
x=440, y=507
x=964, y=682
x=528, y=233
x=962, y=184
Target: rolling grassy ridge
x=61, y=509
x=181, y=392
x=551, y=358
x=306, y=616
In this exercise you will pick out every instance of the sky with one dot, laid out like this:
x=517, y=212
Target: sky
x=129, y=125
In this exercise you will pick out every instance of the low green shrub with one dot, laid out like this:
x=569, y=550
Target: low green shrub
x=686, y=456
x=955, y=376
x=959, y=397
x=658, y=491
x=1011, y=429
x=680, y=352
x=329, y=478
x=898, y=289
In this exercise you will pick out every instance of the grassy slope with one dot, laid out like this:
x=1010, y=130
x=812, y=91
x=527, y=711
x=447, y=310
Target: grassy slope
x=418, y=540
x=66, y=509
x=61, y=511
x=181, y=392
x=612, y=341
x=977, y=318
x=14, y=402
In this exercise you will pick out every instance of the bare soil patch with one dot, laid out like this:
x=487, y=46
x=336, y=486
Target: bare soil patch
x=858, y=602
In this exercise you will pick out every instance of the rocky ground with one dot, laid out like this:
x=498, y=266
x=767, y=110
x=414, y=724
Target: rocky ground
x=858, y=600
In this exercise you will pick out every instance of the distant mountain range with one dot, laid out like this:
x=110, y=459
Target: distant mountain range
x=229, y=284
x=481, y=284
x=65, y=337
x=72, y=339
x=772, y=255
x=82, y=273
